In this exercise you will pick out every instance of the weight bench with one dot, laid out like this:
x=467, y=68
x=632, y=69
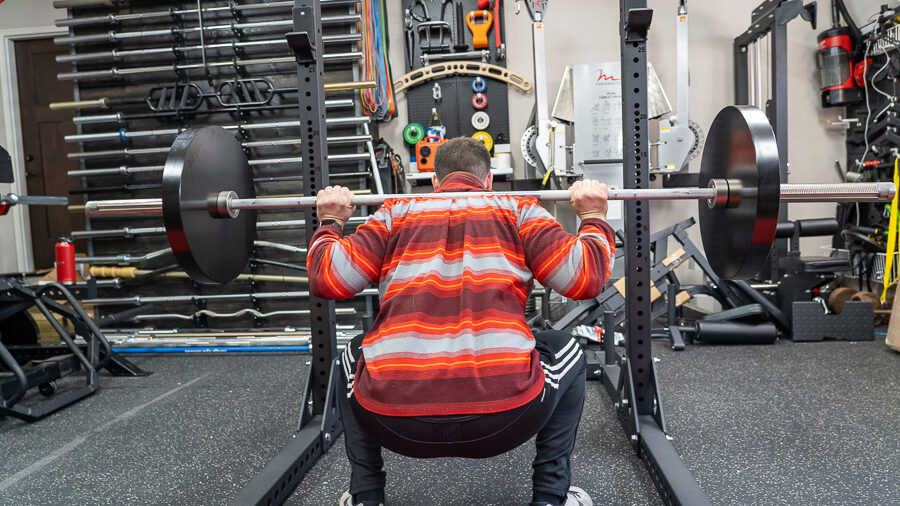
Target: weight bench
x=794, y=263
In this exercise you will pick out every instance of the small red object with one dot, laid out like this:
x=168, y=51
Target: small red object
x=479, y=101
x=483, y=4
x=65, y=260
x=859, y=72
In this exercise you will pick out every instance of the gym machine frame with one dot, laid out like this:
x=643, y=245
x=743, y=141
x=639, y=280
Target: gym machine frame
x=320, y=422
x=771, y=17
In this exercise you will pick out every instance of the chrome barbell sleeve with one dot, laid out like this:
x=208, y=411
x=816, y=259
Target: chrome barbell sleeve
x=126, y=207
x=838, y=192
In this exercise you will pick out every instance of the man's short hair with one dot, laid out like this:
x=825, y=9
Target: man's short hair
x=462, y=154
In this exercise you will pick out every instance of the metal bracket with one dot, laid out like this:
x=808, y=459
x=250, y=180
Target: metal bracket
x=638, y=24
x=536, y=8
x=810, y=14
x=304, y=50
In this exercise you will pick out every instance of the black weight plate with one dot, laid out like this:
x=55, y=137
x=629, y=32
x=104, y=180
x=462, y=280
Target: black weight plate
x=740, y=147
x=19, y=330
x=202, y=163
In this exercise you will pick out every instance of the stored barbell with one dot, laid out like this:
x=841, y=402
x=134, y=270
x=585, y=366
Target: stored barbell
x=10, y=200
x=209, y=203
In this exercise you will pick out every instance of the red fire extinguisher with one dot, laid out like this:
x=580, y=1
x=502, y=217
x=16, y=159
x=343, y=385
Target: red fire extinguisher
x=65, y=260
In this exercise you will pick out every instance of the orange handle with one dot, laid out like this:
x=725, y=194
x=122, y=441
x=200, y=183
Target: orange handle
x=497, y=22
x=479, y=30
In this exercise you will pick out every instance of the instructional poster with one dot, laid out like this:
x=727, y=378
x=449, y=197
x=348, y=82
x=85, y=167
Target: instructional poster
x=598, y=127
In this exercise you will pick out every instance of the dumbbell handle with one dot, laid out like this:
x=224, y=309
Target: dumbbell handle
x=839, y=192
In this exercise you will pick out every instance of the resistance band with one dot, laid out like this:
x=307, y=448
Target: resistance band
x=892, y=241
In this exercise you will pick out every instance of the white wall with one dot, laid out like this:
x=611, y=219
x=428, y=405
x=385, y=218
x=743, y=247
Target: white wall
x=586, y=32
x=18, y=15
x=21, y=13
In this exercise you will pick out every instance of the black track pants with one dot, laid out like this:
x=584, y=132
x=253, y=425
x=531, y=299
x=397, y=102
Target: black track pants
x=552, y=416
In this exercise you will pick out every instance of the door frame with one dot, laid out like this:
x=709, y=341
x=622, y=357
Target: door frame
x=11, y=137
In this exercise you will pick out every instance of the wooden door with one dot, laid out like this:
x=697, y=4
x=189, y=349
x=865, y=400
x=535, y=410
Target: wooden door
x=43, y=143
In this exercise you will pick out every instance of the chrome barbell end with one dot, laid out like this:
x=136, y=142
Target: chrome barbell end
x=886, y=190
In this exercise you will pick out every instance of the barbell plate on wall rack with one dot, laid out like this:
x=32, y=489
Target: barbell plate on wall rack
x=201, y=163
x=741, y=149
x=413, y=133
x=480, y=120
x=479, y=101
x=478, y=84
x=485, y=138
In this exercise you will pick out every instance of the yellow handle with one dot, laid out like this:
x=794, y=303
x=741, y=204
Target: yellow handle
x=113, y=272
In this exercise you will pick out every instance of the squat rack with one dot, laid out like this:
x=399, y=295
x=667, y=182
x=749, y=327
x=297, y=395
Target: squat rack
x=631, y=380
x=320, y=424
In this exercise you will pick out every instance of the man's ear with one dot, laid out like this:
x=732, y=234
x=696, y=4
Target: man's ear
x=435, y=181
x=489, y=182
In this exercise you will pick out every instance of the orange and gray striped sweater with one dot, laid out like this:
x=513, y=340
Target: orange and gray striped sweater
x=453, y=276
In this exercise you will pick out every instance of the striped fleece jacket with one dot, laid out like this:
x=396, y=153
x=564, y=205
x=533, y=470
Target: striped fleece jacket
x=453, y=276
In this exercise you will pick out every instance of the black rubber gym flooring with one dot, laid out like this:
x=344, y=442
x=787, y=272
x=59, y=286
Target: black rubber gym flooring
x=785, y=424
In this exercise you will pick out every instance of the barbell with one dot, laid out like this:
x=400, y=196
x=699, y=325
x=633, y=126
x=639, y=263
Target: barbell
x=209, y=202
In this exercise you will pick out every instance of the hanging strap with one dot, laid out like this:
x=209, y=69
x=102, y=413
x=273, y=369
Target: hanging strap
x=892, y=240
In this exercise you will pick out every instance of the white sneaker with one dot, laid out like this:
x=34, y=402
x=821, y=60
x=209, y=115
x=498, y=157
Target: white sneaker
x=578, y=497
x=347, y=500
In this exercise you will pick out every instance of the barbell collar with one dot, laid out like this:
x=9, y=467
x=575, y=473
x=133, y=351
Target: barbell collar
x=222, y=207
x=720, y=194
